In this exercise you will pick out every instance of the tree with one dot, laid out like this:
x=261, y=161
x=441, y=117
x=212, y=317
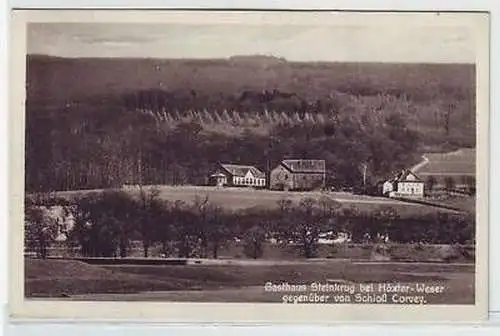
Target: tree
x=284, y=210
x=349, y=219
x=300, y=225
x=226, y=118
x=40, y=229
x=308, y=227
x=470, y=182
x=150, y=215
x=164, y=232
x=236, y=118
x=219, y=231
x=253, y=242
x=384, y=217
x=449, y=183
x=104, y=223
x=185, y=229
x=430, y=183
x=328, y=211
x=201, y=210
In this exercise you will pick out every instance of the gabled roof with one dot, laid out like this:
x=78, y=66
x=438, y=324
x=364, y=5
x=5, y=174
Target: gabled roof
x=242, y=170
x=304, y=166
x=404, y=175
x=218, y=175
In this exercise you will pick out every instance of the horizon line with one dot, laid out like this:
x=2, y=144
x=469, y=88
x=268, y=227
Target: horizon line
x=277, y=58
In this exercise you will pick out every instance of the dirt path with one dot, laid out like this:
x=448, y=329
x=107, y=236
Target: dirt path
x=419, y=165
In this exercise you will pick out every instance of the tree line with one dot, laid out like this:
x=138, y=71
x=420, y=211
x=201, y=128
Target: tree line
x=88, y=146
x=105, y=224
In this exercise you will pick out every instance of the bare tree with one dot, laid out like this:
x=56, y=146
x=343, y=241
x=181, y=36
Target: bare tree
x=201, y=209
x=431, y=183
x=449, y=183
x=219, y=231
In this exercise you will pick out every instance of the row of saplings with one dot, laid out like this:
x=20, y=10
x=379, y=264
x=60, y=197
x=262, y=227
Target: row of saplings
x=106, y=224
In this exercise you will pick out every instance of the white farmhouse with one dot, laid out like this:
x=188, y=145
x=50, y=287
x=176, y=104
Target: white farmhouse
x=239, y=176
x=404, y=184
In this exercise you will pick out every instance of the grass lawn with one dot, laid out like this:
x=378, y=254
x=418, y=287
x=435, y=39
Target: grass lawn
x=464, y=203
x=232, y=282
x=241, y=198
x=457, y=163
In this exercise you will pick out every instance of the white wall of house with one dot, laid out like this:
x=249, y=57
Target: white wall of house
x=387, y=187
x=411, y=188
x=221, y=181
x=249, y=180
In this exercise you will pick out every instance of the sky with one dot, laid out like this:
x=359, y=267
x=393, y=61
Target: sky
x=354, y=43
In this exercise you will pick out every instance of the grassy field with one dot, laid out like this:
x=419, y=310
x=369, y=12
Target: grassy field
x=233, y=282
x=464, y=203
x=241, y=198
x=234, y=251
x=459, y=163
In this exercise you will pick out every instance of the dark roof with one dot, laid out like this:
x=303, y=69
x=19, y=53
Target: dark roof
x=304, y=166
x=242, y=170
x=218, y=175
x=403, y=176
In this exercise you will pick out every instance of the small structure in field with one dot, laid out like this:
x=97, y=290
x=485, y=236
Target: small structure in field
x=404, y=184
x=219, y=179
x=238, y=176
x=298, y=174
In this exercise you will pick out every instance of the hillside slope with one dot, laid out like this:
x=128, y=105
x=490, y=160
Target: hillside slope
x=63, y=79
x=97, y=123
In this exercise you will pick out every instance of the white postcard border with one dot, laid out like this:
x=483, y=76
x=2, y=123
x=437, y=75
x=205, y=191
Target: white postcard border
x=230, y=312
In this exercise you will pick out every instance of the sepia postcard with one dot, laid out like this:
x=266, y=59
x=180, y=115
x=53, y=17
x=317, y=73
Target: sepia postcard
x=249, y=166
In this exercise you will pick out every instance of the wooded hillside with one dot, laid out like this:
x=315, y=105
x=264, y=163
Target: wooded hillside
x=96, y=123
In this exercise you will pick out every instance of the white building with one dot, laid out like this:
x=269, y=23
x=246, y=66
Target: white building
x=239, y=175
x=404, y=184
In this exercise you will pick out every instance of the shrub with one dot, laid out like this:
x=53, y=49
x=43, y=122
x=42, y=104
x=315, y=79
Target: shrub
x=253, y=242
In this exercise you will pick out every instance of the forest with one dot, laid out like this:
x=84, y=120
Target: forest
x=100, y=123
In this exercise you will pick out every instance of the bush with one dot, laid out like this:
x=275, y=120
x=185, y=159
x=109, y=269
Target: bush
x=106, y=224
x=253, y=242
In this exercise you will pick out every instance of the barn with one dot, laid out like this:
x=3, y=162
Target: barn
x=238, y=176
x=298, y=174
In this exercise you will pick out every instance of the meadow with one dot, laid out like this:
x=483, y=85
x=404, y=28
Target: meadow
x=457, y=163
x=248, y=198
x=71, y=280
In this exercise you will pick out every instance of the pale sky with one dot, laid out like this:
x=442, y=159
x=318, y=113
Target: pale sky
x=424, y=44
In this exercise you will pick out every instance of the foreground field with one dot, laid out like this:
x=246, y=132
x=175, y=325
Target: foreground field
x=243, y=282
x=241, y=198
